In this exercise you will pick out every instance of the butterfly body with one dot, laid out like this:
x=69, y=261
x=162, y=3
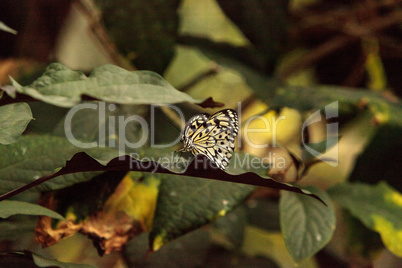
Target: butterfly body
x=212, y=136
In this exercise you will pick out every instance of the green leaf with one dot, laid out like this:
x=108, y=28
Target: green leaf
x=380, y=160
x=307, y=225
x=249, y=63
x=232, y=226
x=143, y=30
x=185, y=204
x=4, y=27
x=45, y=262
x=200, y=167
x=35, y=156
x=270, y=221
x=22, y=224
x=314, y=97
x=361, y=242
x=14, y=119
x=47, y=118
x=9, y=208
x=379, y=207
x=221, y=257
x=263, y=22
x=64, y=87
x=222, y=194
x=188, y=251
x=96, y=125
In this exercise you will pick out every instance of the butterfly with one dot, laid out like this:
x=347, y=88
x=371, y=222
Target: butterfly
x=212, y=136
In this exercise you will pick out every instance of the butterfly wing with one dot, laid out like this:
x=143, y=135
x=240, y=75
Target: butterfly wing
x=226, y=119
x=194, y=124
x=215, y=137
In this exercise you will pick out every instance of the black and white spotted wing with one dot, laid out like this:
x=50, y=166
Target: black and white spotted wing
x=194, y=124
x=212, y=136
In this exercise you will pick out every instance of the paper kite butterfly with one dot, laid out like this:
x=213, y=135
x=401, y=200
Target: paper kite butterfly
x=212, y=136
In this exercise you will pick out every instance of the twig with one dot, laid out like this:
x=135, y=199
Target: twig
x=353, y=30
x=318, y=53
x=28, y=186
x=357, y=72
x=213, y=70
x=100, y=33
x=335, y=17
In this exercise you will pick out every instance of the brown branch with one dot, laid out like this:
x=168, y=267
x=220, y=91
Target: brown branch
x=329, y=19
x=199, y=167
x=381, y=23
x=90, y=10
x=353, y=30
x=316, y=54
x=357, y=72
x=213, y=70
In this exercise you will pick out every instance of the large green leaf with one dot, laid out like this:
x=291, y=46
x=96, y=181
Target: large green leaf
x=248, y=62
x=143, y=30
x=380, y=160
x=361, y=242
x=191, y=250
x=316, y=97
x=199, y=201
x=9, y=208
x=47, y=118
x=270, y=221
x=64, y=87
x=187, y=251
x=379, y=207
x=232, y=227
x=185, y=204
x=199, y=167
x=35, y=156
x=263, y=22
x=22, y=224
x=97, y=125
x=14, y=119
x=307, y=225
x=219, y=256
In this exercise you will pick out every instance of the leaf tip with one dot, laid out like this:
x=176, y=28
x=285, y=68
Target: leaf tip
x=210, y=103
x=157, y=243
x=314, y=196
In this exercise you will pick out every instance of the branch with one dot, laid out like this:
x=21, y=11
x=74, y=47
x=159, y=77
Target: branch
x=316, y=54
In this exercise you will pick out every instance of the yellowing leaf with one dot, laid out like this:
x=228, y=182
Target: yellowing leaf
x=261, y=129
x=392, y=238
x=158, y=242
x=378, y=207
x=258, y=242
x=136, y=199
x=374, y=66
x=127, y=212
x=394, y=197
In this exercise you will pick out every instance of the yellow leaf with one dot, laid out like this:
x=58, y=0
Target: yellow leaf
x=392, y=238
x=374, y=67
